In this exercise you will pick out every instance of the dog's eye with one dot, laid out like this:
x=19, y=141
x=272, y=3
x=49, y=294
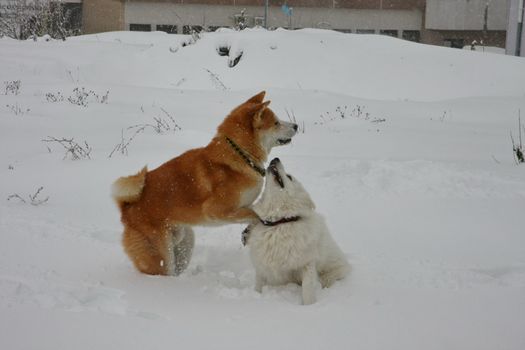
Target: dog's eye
x=289, y=177
x=277, y=123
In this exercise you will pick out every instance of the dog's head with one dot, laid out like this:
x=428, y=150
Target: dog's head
x=254, y=121
x=283, y=195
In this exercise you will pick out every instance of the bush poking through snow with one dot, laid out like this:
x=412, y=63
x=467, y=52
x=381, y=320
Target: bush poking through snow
x=32, y=198
x=122, y=146
x=17, y=110
x=161, y=125
x=72, y=149
x=21, y=20
x=223, y=50
x=216, y=81
x=58, y=97
x=12, y=87
x=518, y=148
x=233, y=59
x=341, y=112
x=194, y=37
x=79, y=97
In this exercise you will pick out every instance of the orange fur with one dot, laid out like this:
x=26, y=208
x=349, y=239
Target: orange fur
x=203, y=186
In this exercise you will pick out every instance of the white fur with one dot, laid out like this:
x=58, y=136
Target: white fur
x=129, y=188
x=300, y=252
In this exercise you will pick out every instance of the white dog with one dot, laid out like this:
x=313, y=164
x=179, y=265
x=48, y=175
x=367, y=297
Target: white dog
x=292, y=244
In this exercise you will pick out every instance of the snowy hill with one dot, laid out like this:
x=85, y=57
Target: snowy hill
x=405, y=149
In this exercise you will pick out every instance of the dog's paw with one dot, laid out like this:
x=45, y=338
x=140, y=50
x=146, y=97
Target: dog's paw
x=309, y=301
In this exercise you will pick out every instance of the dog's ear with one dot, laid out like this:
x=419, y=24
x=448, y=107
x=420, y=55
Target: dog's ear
x=257, y=98
x=258, y=113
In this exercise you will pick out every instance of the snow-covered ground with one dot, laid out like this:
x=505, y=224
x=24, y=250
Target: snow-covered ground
x=404, y=147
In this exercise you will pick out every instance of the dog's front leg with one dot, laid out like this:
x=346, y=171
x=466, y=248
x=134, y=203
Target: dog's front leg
x=310, y=283
x=259, y=282
x=218, y=211
x=243, y=215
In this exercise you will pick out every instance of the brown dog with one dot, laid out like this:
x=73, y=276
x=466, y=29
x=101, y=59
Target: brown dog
x=212, y=185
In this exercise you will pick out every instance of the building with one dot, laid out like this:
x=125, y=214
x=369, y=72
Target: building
x=453, y=23
x=515, y=31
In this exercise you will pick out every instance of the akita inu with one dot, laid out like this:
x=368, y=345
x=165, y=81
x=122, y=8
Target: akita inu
x=212, y=185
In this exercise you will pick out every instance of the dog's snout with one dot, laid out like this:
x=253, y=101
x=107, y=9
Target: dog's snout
x=295, y=127
x=275, y=161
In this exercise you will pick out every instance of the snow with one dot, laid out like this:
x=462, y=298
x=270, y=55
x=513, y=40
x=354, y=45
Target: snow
x=417, y=184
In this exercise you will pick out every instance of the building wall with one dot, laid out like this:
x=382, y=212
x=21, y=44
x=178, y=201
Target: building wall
x=141, y=12
x=102, y=16
x=353, y=4
x=438, y=21
x=466, y=14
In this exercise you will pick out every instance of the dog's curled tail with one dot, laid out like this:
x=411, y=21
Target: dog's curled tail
x=128, y=189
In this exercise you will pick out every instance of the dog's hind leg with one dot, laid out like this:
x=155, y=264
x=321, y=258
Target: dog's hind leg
x=310, y=282
x=147, y=255
x=183, y=242
x=335, y=273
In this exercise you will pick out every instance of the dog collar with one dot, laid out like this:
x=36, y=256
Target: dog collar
x=280, y=221
x=246, y=158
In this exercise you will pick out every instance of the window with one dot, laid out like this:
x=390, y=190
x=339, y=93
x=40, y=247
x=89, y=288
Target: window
x=191, y=29
x=134, y=27
x=343, y=30
x=454, y=43
x=365, y=31
x=412, y=35
x=168, y=28
x=213, y=28
x=389, y=32
x=73, y=16
x=259, y=21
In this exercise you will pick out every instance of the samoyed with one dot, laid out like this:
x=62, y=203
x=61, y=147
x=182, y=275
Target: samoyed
x=291, y=243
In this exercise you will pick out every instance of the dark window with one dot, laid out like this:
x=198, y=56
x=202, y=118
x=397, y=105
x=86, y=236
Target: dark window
x=343, y=30
x=191, y=29
x=73, y=16
x=412, y=35
x=135, y=27
x=389, y=32
x=454, y=43
x=168, y=28
x=365, y=31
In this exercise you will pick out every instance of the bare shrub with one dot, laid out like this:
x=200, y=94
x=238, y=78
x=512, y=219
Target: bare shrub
x=51, y=97
x=216, y=80
x=122, y=146
x=80, y=96
x=17, y=109
x=161, y=124
x=342, y=112
x=22, y=19
x=517, y=148
x=12, y=87
x=72, y=149
x=32, y=198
